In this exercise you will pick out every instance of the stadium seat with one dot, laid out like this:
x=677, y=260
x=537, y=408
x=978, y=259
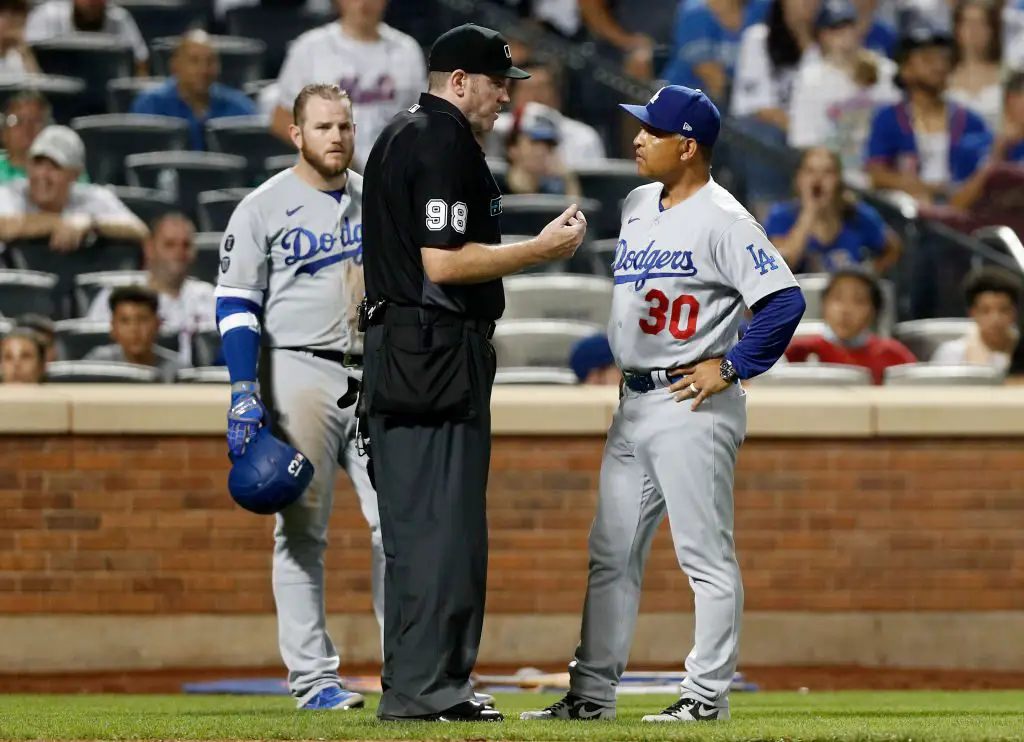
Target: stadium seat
x=25, y=291
x=276, y=27
x=121, y=93
x=148, y=204
x=595, y=257
x=76, y=337
x=609, y=182
x=273, y=165
x=66, y=95
x=923, y=336
x=89, y=285
x=814, y=374
x=110, y=138
x=250, y=137
x=207, y=263
x=810, y=328
x=100, y=372
x=522, y=343
x=35, y=254
x=813, y=286
x=928, y=374
x=205, y=347
x=204, y=375
x=214, y=208
x=159, y=18
x=241, y=59
x=94, y=58
x=560, y=376
x=553, y=296
x=184, y=175
x=530, y=214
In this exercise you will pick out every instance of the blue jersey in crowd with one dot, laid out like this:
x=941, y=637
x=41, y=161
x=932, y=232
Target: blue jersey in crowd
x=861, y=238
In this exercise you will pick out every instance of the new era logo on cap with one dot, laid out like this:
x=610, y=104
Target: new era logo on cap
x=677, y=109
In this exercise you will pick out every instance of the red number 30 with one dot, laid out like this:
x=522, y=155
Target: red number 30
x=658, y=314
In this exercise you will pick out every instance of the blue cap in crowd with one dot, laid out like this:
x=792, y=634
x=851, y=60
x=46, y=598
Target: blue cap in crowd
x=590, y=354
x=835, y=13
x=680, y=110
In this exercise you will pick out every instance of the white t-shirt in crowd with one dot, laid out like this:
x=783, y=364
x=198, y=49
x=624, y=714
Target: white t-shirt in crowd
x=579, y=143
x=758, y=85
x=88, y=199
x=828, y=109
x=382, y=77
x=194, y=307
x=562, y=14
x=987, y=103
x=53, y=20
x=954, y=353
x=933, y=154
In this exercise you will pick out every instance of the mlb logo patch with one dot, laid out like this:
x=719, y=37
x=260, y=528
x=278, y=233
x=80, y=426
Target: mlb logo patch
x=496, y=206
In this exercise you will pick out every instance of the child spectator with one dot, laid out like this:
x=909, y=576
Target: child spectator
x=133, y=328
x=827, y=228
x=592, y=361
x=22, y=357
x=993, y=301
x=852, y=303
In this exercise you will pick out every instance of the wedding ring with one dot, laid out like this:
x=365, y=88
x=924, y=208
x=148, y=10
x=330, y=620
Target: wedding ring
x=694, y=389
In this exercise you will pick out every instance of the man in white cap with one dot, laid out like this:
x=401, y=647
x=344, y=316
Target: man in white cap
x=51, y=203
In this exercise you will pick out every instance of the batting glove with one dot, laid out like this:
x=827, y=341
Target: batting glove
x=245, y=416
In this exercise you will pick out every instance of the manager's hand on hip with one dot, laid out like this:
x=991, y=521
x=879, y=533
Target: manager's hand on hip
x=699, y=382
x=563, y=234
x=245, y=415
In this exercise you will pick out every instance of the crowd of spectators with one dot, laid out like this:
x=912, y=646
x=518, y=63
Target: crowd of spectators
x=920, y=96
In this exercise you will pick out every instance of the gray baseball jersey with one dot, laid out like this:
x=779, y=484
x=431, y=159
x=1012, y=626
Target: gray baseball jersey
x=298, y=252
x=683, y=276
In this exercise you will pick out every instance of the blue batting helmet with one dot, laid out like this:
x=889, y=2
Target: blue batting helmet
x=269, y=475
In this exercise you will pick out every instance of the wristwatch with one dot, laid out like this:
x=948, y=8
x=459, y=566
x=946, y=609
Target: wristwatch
x=729, y=373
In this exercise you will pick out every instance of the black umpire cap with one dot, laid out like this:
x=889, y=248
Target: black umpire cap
x=476, y=50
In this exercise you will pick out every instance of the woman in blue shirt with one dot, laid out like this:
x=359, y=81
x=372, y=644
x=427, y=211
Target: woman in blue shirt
x=826, y=227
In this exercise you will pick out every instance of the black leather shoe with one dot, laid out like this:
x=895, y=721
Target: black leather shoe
x=465, y=711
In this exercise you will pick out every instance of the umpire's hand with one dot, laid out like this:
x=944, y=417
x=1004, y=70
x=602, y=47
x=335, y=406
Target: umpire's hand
x=560, y=238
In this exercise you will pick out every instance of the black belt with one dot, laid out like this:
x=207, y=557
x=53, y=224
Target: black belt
x=644, y=382
x=336, y=356
x=399, y=315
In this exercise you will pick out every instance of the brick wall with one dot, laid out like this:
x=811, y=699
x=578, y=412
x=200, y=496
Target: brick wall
x=144, y=525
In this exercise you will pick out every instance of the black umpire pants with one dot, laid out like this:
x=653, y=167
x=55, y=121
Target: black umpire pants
x=431, y=482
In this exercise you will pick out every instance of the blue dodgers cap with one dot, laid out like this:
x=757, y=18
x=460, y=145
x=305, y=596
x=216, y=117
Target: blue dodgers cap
x=589, y=354
x=680, y=110
x=835, y=13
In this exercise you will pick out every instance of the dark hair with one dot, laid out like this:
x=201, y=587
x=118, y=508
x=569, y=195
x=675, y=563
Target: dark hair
x=783, y=48
x=1013, y=82
x=134, y=295
x=158, y=221
x=993, y=16
x=863, y=274
x=27, y=333
x=992, y=279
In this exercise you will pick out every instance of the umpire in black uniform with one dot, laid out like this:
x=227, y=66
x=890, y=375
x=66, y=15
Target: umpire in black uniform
x=432, y=264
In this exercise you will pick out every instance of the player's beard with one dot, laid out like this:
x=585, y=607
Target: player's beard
x=325, y=171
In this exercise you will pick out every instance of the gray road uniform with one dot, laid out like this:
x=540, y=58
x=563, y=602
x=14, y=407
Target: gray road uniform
x=297, y=252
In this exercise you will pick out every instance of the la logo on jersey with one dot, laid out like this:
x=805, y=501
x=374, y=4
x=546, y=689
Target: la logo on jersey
x=763, y=262
x=638, y=266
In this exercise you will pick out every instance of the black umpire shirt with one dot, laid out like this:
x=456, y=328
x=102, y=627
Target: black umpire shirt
x=426, y=184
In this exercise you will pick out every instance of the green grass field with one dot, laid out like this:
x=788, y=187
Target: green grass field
x=756, y=716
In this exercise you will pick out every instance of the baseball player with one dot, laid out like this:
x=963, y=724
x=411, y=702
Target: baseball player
x=689, y=258
x=290, y=278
